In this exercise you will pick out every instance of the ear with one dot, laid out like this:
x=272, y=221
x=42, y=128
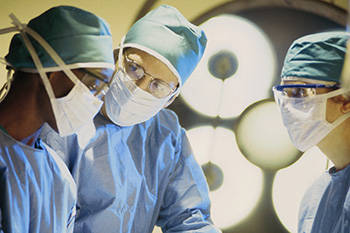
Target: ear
x=345, y=108
x=170, y=101
x=115, y=54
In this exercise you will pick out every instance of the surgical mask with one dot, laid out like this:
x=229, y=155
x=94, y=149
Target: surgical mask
x=75, y=109
x=127, y=104
x=305, y=118
x=79, y=106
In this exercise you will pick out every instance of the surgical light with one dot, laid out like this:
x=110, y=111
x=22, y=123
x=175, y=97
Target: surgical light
x=238, y=59
x=263, y=139
x=239, y=193
x=292, y=182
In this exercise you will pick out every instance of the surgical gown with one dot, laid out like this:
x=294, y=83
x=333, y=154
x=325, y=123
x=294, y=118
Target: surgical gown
x=131, y=178
x=37, y=192
x=325, y=207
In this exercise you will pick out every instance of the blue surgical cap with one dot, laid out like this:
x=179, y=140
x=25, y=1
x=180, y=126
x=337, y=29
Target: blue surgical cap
x=317, y=56
x=80, y=38
x=166, y=34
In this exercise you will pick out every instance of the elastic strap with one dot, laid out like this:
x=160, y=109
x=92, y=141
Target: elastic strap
x=6, y=87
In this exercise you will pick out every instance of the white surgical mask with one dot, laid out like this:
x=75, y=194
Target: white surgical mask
x=77, y=108
x=127, y=104
x=305, y=118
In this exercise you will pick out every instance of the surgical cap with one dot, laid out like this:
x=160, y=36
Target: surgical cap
x=166, y=34
x=80, y=38
x=317, y=56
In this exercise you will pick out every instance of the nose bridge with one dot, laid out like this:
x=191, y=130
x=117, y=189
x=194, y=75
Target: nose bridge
x=144, y=82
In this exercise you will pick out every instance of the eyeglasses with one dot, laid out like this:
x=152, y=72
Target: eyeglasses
x=97, y=85
x=157, y=87
x=300, y=90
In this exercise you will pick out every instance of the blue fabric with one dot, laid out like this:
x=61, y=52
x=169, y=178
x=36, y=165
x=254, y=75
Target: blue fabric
x=37, y=192
x=325, y=206
x=131, y=178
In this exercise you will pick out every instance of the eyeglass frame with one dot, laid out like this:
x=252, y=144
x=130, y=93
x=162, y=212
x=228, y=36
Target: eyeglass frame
x=98, y=92
x=173, y=90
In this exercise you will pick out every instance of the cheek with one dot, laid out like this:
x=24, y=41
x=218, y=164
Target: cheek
x=61, y=85
x=333, y=111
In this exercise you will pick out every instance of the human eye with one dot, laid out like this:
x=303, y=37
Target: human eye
x=302, y=92
x=97, y=87
x=134, y=70
x=160, y=89
x=299, y=92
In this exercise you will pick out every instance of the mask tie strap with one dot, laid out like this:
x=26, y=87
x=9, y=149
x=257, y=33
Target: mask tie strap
x=34, y=56
x=8, y=30
x=120, y=53
x=6, y=87
x=49, y=50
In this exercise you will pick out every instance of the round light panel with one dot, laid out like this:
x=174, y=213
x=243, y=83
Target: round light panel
x=251, y=65
x=242, y=182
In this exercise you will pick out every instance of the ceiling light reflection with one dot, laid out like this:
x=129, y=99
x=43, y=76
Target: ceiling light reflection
x=242, y=183
x=251, y=65
x=263, y=139
x=292, y=182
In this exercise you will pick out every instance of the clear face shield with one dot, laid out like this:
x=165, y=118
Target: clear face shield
x=303, y=109
x=300, y=94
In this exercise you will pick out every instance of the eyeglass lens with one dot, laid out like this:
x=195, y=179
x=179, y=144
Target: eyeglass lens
x=97, y=87
x=158, y=88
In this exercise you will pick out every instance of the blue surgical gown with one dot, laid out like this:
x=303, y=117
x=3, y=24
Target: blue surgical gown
x=37, y=191
x=131, y=178
x=325, y=207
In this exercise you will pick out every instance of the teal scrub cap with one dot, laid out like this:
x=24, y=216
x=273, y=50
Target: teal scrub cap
x=318, y=56
x=80, y=38
x=166, y=34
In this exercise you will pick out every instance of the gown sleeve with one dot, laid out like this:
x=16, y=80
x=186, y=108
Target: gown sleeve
x=186, y=204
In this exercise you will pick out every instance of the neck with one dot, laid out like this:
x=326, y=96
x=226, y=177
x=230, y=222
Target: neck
x=336, y=145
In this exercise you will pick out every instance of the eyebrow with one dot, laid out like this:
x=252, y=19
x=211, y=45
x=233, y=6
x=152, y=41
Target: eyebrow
x=129, y=59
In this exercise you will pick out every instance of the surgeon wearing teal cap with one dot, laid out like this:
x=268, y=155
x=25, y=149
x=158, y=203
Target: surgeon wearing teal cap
x=62, y=62
x=138, y=170
x=315, y=109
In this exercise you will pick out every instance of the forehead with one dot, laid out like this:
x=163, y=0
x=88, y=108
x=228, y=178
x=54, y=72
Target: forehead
x=300, y=80
x=151, y=65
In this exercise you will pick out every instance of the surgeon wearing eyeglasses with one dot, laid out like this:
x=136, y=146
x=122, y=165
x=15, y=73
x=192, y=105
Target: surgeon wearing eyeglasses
x=138, y=170
x=56, y=81
x=315, y=110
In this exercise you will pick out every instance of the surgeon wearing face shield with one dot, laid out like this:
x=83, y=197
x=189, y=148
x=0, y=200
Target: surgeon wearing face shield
x=138, y=170
x=63, y=63
x=315, y=110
